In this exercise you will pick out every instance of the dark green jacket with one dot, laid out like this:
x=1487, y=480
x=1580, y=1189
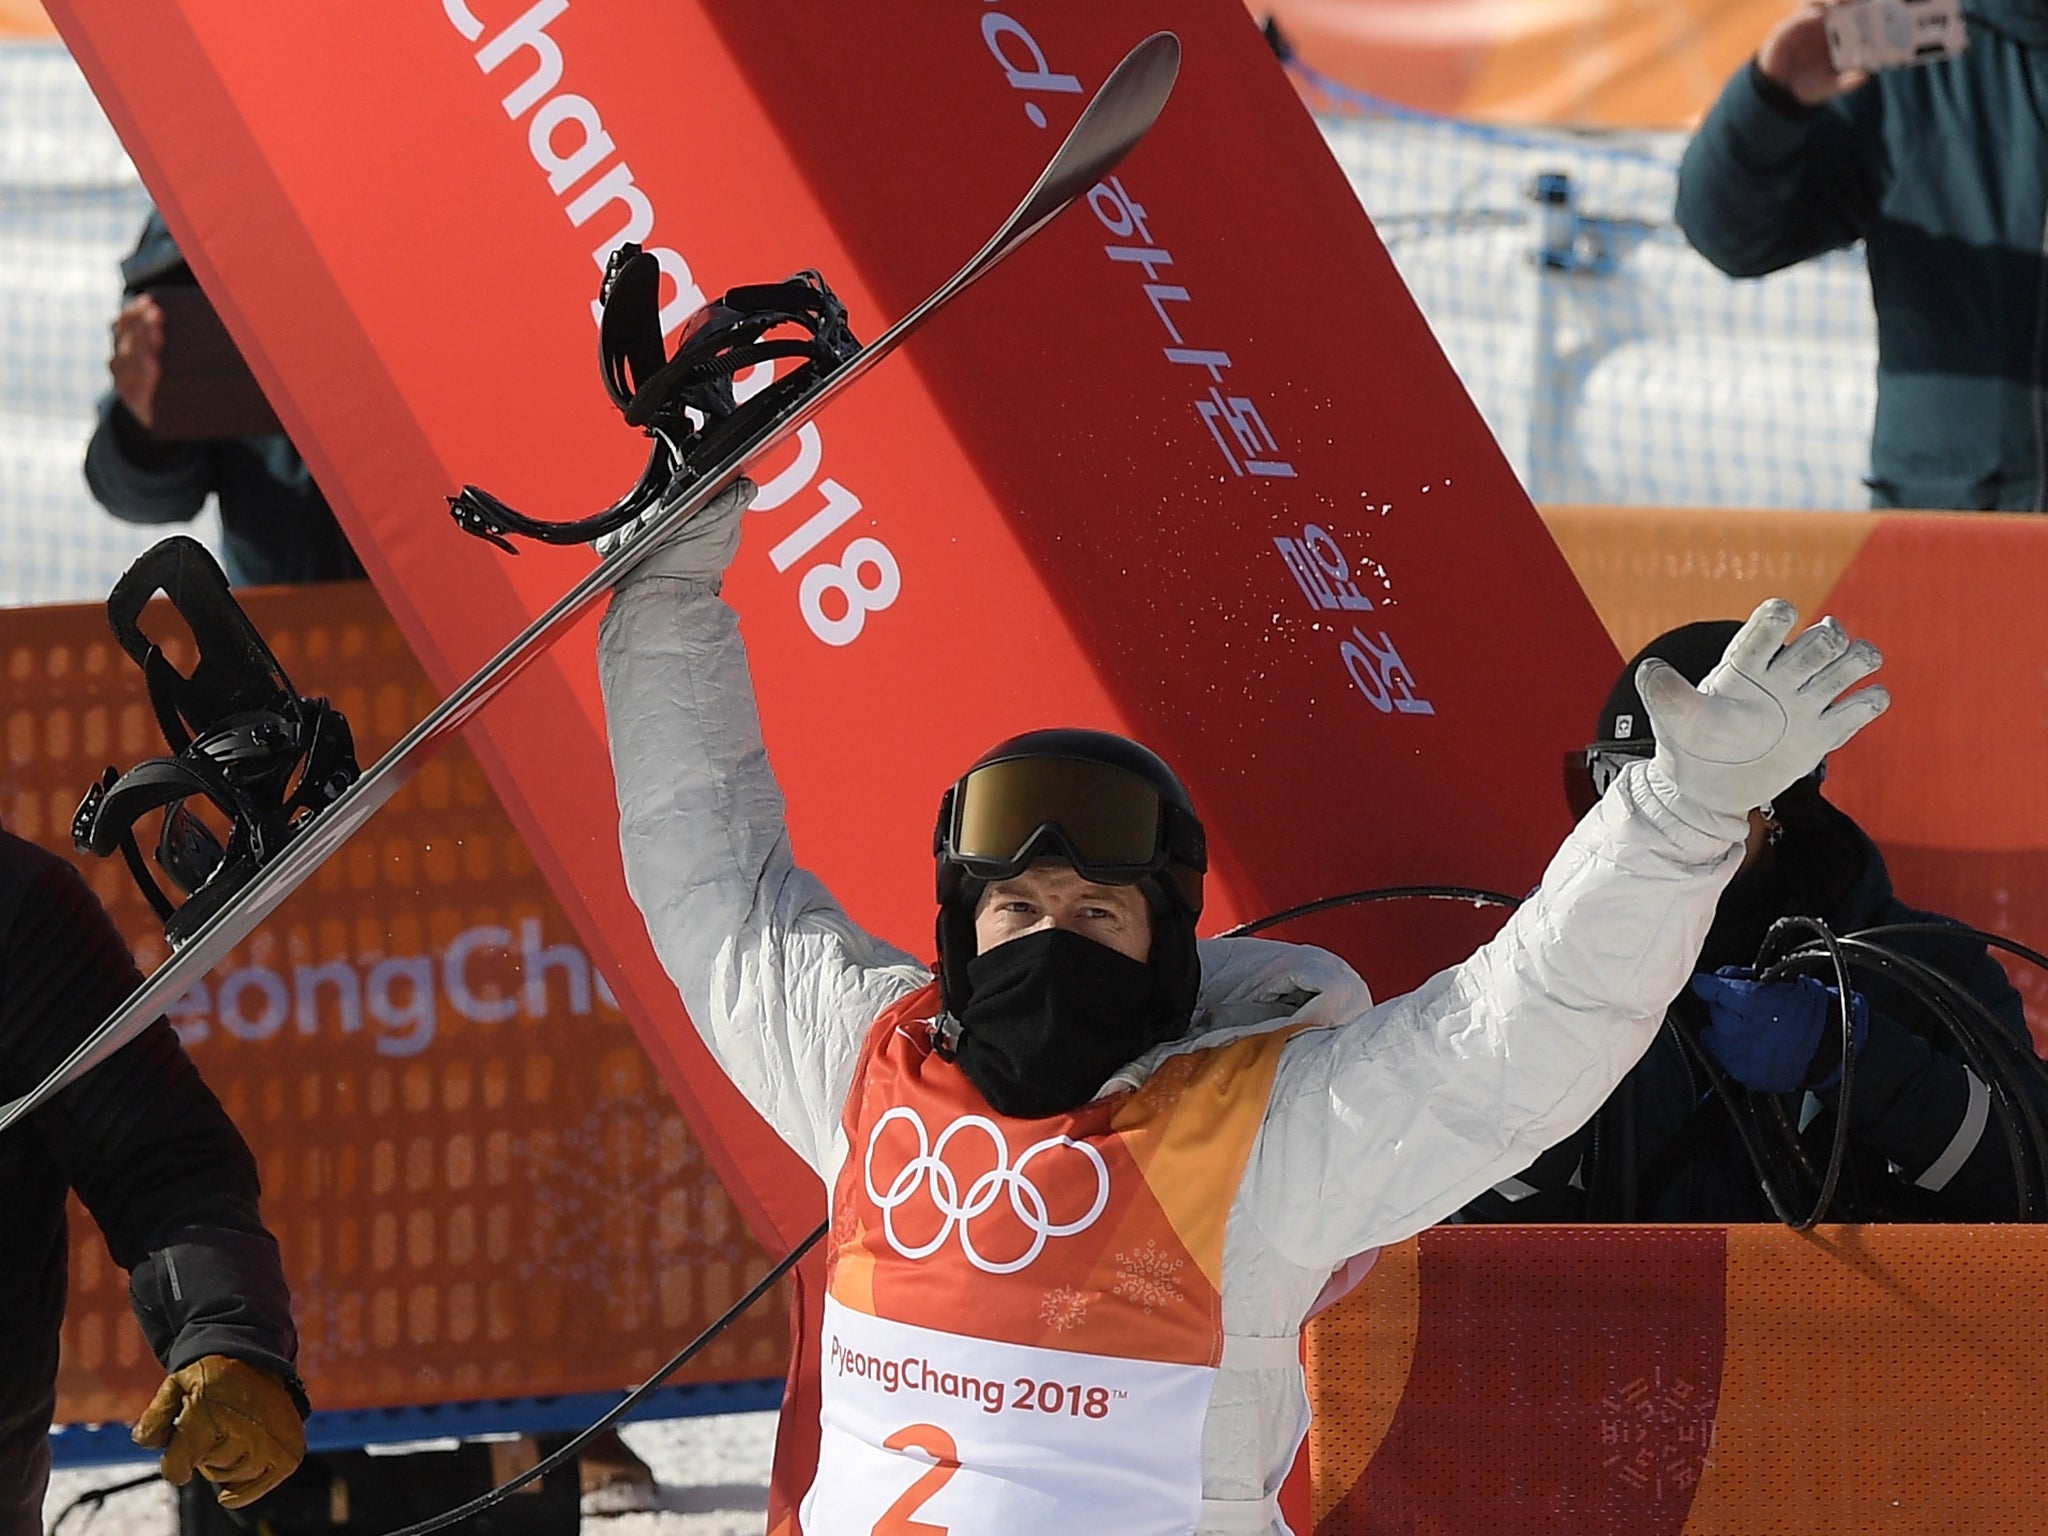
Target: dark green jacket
x=1942, y=172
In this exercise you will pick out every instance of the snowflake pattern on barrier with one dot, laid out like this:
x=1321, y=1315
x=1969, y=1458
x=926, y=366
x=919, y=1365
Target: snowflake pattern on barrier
x=1149, y=1277
x=1063, y=1309
x=1656, y=1431
x=580, y=1171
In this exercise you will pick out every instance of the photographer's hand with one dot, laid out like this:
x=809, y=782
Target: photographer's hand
x=1795, y=57
x=138, y=361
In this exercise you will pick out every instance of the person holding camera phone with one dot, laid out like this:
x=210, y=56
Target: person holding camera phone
x=169, y=436
x=1942, y=172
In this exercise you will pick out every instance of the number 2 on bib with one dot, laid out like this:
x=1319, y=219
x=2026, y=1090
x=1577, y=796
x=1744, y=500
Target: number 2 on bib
x=897, y=1519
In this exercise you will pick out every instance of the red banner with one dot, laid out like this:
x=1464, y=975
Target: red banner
x=1191, y=465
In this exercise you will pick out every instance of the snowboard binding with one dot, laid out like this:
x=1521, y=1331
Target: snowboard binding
x=685, y=401
x=242, y=738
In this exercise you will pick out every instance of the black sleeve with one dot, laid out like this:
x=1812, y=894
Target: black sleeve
x=1550, y=1189
x=151, y=1153
x=1916, y=1101
x=140, y=480
x=1767, y=182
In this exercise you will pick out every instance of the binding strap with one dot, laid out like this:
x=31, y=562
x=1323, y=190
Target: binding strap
x=685, y=401
x=243, y=739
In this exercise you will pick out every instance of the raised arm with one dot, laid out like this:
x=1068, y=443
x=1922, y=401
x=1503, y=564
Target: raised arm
x=1780, y=170
x=1398, y=1117
x=781, y=985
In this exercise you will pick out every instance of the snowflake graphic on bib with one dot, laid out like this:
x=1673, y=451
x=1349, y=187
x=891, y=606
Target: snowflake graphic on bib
x=1149, y=1276
x=1064, y=1308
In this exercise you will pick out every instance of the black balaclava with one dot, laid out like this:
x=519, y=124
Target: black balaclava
x=1048, y=1018
x=1053, y=1014
x=1040, y=1023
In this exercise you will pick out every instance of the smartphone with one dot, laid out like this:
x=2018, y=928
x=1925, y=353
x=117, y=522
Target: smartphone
x=206, y=391
x=1872, y=35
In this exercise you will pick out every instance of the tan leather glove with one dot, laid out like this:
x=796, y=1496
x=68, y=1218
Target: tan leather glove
x=233, y=1423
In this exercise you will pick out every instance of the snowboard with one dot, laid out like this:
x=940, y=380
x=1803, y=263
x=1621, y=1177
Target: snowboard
x=1116, y=118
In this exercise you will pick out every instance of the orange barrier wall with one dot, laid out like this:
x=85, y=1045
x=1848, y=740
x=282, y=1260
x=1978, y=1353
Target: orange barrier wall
x=1696, y=1380
x=24, y=19
x=1585, y=64
x=480, y=1184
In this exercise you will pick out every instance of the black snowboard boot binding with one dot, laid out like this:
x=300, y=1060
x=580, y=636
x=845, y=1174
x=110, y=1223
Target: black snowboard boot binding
x=685, y=401
x=268, y=758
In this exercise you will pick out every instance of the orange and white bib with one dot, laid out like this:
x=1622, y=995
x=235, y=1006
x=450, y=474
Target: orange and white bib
x=1023, y=1318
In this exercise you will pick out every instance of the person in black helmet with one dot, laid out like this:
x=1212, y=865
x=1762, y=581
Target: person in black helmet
x=1692, y=1133
x=1089, y=1178
x=1024, y=897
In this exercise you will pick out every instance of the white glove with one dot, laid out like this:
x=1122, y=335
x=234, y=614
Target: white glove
x=701, y=549
x=1762, y=719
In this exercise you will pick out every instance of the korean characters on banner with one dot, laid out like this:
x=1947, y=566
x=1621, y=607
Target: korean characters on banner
x=1237, y=425
x=1319, y=567
x=1239, y=431
x=1234, y=422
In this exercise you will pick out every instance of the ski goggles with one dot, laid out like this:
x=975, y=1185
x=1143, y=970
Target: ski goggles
x=1588, y=772
x=1106, y=822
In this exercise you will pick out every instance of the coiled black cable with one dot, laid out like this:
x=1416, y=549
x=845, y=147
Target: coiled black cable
x=1998, y=1059
x=2003, y=1063
x=1976, y=1037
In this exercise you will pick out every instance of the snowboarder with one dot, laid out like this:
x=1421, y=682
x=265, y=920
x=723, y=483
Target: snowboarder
x=1089, y=1179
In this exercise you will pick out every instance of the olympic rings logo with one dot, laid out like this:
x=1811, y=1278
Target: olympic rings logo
x=928, y=1170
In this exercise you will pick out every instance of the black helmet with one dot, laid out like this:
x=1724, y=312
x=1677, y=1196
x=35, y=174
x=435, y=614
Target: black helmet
x=1097, y=801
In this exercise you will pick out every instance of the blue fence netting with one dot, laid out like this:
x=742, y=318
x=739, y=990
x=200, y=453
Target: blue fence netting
x=1613, y=363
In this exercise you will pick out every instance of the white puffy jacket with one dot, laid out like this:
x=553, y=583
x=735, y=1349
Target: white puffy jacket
x=1383, y=1119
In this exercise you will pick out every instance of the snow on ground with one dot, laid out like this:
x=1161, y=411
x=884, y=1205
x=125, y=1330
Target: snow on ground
x=712, y=1474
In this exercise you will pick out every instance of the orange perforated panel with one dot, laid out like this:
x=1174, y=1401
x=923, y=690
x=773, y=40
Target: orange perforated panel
x=1697, y=1381
x=1640, y=567
x=481, y=1186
